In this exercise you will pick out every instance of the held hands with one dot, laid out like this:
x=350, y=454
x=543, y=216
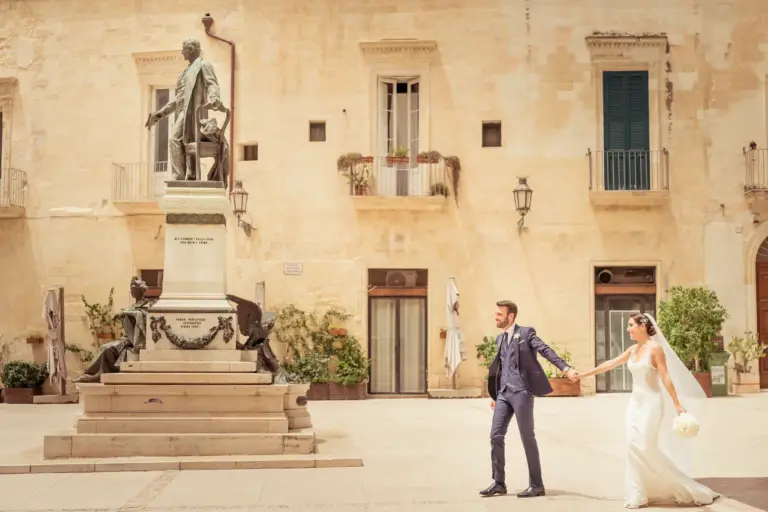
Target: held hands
x=572, y=375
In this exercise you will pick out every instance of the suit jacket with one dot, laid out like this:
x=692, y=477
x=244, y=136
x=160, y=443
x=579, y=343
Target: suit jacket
x=528, y=344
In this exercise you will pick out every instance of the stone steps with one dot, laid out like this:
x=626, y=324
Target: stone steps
x=188, y=367
x=184, y=424
x=177, y=445
x=186, y=378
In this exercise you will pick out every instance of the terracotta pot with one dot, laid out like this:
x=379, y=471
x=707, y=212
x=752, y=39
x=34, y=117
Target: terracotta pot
x=367, y=160
x=564, y=387
x=318, y=391
x=392, y=160
x=337, y=332
x=443, y=334
x=18, y=395
x=348, y=392
x=705, y=381
x=105, y=337
x=361, y=190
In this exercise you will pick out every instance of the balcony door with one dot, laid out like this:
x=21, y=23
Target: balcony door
x=627, y=157
x=160, y=139
x=398, y=130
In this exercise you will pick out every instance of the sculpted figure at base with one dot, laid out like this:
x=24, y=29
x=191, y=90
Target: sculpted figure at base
x=250, y=320
x=135, y=337
x=197, y=91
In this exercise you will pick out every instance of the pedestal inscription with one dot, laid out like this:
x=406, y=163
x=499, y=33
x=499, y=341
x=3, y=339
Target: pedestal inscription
x=191, y=331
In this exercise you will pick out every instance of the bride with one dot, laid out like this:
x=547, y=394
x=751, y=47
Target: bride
x=657, y=457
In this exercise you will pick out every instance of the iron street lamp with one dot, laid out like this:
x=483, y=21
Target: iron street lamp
x=240, y=206
x=523, y=195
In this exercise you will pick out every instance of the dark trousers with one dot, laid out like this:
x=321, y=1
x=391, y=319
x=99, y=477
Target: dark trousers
x=520, y=405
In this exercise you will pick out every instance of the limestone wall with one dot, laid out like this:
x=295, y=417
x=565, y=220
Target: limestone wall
x=80, y=102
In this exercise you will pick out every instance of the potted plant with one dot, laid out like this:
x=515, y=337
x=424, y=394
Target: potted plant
x=350, y=377
x=561, y=386
x=312, y=369
x=443, y=333
x=5, y=356
x=454, y=167
x=691, y=318
x=429, y=157
x=485, y=353
x=21, y=379
x=745, y=351
x=399, y=155
x=101, y=319
x=438, y=189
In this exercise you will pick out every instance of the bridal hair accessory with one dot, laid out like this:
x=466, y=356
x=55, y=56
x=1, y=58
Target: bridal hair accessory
x=685, y=426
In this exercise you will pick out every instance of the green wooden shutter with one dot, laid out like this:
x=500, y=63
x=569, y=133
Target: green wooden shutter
x=626, y=161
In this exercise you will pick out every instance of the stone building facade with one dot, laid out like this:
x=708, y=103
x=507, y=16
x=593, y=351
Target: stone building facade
x=629, y=122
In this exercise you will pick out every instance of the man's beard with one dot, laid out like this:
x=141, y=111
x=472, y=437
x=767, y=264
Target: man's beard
x=503, y=325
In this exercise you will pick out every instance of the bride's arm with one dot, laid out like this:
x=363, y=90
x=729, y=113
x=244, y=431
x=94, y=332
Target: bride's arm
x=660, y=360
x=608, y=365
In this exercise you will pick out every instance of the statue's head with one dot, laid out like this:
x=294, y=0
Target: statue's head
x=190, y=49
x=138, y=288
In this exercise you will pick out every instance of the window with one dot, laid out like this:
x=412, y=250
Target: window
x=626, y=133
x=398, y=116
x=491, y=134
x=161, y=133
x=250, y=152
x=317, y=131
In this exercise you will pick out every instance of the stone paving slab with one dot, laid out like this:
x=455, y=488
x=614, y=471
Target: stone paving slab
x=420, y=455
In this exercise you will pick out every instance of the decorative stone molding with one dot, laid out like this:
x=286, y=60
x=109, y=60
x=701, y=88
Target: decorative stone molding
x=621, y=46
x=7, y=87
x=398, y=46
x=158, y=324
x=162, y=62
x=195, y=218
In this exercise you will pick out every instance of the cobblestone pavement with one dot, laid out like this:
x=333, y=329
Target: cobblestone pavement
x=419, y=455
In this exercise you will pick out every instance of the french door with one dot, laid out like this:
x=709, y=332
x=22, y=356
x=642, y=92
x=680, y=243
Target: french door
x=398, y=345
x=612, y=312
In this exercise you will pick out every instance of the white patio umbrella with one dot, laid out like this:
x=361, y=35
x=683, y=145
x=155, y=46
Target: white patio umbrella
x=454, y=343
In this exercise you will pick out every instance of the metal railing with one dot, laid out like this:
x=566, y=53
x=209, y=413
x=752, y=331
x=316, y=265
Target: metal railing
x=138, y=181
x=756, y=167
x=629, y=170
x=13, y=187
x=397, y=176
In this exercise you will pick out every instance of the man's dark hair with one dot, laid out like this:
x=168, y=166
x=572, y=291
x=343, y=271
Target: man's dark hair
x=510, y=306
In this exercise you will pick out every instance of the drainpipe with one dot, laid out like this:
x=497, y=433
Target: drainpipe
x=207, y=23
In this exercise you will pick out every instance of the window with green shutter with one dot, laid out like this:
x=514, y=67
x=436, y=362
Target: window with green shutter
x=626, y=159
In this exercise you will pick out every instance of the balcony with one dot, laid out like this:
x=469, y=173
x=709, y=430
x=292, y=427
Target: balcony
x=13, y=186
x=756, y=178
x=138, y=187
x=398, y=183
x=629, y=178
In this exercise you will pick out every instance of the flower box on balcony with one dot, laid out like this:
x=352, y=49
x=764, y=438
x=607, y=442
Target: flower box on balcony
x=394, y=160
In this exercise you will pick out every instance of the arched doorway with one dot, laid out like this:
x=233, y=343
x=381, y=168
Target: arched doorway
x=761, y=281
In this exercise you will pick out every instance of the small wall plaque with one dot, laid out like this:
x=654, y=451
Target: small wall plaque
x=293, y=269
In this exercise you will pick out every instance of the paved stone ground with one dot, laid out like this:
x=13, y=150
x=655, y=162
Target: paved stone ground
x=419, y=455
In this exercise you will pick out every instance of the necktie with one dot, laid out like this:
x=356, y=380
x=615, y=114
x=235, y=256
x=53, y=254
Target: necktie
x=504, y=338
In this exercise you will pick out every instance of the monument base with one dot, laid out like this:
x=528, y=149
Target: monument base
x=162, y=409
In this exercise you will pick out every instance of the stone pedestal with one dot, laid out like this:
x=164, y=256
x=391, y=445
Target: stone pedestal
x=193, y=312
x=191, y=393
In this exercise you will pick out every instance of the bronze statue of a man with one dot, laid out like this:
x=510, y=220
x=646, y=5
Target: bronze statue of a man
x=196, y=86
x=135, y=337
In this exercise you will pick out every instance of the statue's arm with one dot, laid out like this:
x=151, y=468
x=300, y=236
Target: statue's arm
x=169, y=107
x=211, y=83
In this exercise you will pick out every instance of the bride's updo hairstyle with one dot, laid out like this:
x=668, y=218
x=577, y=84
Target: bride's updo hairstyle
x=641, y=319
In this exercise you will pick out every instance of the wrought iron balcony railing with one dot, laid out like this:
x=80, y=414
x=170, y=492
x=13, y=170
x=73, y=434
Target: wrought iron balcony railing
x=397, y=176
x=138, y=182
x=13, y=185
x=631, y=170
x=756, y=167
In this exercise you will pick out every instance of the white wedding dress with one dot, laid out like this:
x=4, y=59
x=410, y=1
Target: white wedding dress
x=651, y=476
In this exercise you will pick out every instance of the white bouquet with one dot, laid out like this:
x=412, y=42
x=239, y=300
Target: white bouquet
x=685, y=426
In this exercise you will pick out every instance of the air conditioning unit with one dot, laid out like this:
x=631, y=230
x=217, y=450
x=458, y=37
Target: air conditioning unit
x=625, y=275
x=401, y=278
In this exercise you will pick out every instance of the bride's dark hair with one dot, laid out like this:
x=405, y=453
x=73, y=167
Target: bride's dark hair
x=641, y=319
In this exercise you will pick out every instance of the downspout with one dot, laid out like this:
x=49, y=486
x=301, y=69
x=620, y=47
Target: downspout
x=207, y=23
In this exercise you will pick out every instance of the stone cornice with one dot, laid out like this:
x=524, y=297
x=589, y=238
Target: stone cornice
x=159, y=62
x=627, y=40
x=398, y=46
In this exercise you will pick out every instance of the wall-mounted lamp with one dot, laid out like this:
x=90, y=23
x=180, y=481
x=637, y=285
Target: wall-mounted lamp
x=240, y=206
x=523, y=195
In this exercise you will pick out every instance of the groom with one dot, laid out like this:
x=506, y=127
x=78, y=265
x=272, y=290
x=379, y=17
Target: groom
x=514, y=377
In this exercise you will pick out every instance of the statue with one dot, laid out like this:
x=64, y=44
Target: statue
x=250, y=320
x=135, y=337
x=197, y=91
